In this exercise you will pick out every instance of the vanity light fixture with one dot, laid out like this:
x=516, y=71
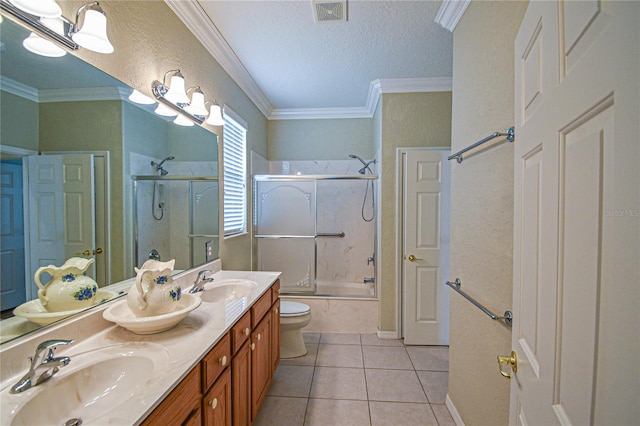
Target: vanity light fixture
x=175, y=92
x=40, y=8
x=93, y=33
x=165, y=111
x=43, y=47
x=215, y=115
x=196, y=106
x=140, y=98
x=182, y=120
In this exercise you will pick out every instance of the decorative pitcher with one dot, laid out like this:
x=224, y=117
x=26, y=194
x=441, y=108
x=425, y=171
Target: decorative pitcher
x=154, y=292
x=69, y=288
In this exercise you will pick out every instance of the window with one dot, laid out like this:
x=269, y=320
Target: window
x=234, y=159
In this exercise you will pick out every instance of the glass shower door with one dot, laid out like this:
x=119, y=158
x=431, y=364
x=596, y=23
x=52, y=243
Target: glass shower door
x=285, y=229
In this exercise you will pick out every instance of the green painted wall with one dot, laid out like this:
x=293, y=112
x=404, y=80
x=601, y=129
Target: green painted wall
x=407, y=120
x=93, y=126
x=19, y=118
x=328, y=139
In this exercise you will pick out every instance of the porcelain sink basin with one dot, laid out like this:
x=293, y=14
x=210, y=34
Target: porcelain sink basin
x=227, y=289
x=93, y=389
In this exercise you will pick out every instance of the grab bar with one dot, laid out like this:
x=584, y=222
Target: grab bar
x=508, y=315
x=511, y=135
x=336, y=234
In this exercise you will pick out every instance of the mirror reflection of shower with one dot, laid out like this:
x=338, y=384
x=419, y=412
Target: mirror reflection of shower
x=159, y=189
x=365, y=168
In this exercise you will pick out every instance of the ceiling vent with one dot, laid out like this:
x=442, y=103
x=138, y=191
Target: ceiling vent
x=330, y=11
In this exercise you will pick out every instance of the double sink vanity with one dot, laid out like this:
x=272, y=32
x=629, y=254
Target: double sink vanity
x=213, y=368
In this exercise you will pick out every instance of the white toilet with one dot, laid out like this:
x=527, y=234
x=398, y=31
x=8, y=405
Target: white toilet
x=293, y=317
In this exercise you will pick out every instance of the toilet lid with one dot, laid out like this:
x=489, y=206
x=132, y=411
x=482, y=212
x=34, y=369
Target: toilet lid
x=292, y=309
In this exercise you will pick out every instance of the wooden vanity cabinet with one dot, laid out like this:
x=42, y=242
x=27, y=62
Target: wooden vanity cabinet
x=260, y=363
x=216, y=404
x=241, y=386
x=214, y=393
x=182, y=406
x=275, y=335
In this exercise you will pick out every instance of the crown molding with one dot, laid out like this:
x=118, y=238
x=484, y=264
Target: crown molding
x=199, y=23
x=19, y=89
x=63, y=95
x=376, y=89
x=450, y=13
x=83, y=94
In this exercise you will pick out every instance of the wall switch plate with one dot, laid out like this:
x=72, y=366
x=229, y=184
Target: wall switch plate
x=209, y=250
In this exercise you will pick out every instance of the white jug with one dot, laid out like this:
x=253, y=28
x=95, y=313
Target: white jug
x=69, y=287
x=154, y=292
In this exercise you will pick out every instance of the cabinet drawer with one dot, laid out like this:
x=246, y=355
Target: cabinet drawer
x=240, y=332
x=179, y=407
x=275, y=291
x=215, y=362
x=260, y=308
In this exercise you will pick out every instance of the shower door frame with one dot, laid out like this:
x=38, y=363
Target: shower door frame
x=190, y=179
x=315, y=178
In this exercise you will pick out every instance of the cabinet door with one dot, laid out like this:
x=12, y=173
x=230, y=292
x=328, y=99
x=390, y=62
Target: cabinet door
x=181, y=405
x=260, y=363
x=215, y=361
x=241, y=386
x=275, y=336
x=216, y=404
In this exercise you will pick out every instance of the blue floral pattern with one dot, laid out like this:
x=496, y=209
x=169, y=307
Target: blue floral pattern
x=161, y=279
x=69, y=277
x=85, y=293
x=176, y=293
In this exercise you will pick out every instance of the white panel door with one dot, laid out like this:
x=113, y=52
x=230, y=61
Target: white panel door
x=577, y=224
x=425, y=247
x=61, y=209
x=12, y=228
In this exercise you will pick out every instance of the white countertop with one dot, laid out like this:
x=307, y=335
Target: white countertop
x=186, y=344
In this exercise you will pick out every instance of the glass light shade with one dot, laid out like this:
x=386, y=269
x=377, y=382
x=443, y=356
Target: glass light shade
x=38, y=45
x=141, y=99
x=197, y=105
x=215, y=116
x=165, y=111
x=42, y=8
x=176, y=93
x=93, y=34
x=181, y=120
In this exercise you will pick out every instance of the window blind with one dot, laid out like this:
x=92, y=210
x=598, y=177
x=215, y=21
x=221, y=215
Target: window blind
x=234, y=174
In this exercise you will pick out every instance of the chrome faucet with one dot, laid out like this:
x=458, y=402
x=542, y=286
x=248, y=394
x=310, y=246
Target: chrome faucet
x=201, y=280
x=43, y=365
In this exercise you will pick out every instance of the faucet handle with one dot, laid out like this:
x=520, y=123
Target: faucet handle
x=50, y=346
x=203, y=275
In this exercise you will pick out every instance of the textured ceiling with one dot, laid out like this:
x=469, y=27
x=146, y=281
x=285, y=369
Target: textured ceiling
x=299, y=64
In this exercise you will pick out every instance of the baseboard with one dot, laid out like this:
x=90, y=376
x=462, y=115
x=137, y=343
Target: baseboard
x=387, y=334
x=454, y=412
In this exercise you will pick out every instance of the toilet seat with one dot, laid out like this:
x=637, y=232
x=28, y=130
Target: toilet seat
x=293, y=309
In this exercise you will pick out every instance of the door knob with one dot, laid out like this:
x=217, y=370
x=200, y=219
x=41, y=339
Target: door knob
x=412, y=258
x=89, y=252
x=510, y=360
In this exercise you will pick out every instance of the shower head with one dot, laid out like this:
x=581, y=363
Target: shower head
x=171, y=157
x=358, y=158
x=159, y=167
x=365, y=164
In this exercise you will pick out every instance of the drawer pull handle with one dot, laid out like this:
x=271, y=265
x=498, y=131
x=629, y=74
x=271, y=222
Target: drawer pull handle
x=223, y=360
x=247, y=331
x=253, y=346
x=259, y=337
x=213, y=403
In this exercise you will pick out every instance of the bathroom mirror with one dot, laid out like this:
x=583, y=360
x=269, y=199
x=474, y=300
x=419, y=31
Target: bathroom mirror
x=59, y=106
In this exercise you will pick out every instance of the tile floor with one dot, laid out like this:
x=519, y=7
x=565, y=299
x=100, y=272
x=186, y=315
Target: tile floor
x=358, y=379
